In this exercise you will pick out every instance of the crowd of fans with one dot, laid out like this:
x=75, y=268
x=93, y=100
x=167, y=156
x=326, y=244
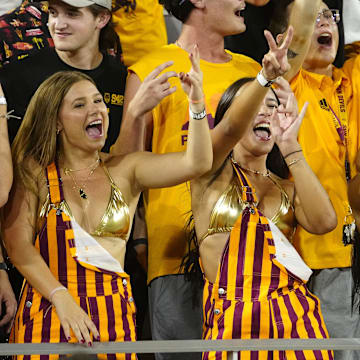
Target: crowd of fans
x=207, y=188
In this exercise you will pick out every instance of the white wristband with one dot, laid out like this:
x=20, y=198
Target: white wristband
x=262, y=80
x=3, y=100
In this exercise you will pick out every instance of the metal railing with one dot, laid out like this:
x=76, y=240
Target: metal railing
x=184, y=346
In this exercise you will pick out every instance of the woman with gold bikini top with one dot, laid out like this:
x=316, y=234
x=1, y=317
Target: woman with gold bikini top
x=245, y=216
x=78, y=205
x=230, y=206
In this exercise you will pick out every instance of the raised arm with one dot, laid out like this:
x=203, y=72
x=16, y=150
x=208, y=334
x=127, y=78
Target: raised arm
x=140, y=99
x=313, y=208
x=6, y=177
x=155, y=170
x=19, y=224
x=302, y=18
x=246, y=103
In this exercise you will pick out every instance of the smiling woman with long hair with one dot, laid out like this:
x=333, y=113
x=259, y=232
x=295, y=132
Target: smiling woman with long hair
x=254, y=281
x=70, y=212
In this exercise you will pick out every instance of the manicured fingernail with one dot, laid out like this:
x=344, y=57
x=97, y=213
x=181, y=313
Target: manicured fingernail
x=83, y=341
x=90, y=343
x=98, y=338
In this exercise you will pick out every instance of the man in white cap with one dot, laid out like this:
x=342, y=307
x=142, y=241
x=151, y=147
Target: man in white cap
x=83, y=37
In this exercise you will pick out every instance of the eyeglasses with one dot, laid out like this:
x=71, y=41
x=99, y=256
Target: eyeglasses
x=332, y=16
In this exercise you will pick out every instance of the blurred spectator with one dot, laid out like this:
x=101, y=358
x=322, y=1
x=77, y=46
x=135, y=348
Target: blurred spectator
x=141, y=28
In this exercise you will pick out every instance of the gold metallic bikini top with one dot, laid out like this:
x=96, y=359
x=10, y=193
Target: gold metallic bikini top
x=116, y=219
x=230, y=206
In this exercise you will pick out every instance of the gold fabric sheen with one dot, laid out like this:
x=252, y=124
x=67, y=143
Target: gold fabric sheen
x=230, y=206
x=116, y=219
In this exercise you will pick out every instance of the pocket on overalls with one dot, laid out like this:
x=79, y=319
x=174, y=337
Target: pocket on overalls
x=37, y=312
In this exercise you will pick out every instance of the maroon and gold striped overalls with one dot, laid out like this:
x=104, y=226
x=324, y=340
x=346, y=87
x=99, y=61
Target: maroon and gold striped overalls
x=254, y=296
x=105, y=296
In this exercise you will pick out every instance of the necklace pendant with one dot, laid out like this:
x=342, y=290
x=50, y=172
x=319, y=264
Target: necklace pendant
x=82, y=194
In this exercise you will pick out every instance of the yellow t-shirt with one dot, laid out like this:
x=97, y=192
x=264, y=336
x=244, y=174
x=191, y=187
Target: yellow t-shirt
x=325, y=153
x=167, y=209
x=141, y=31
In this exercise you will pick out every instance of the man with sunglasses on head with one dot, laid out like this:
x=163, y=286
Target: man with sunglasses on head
x=330, y=138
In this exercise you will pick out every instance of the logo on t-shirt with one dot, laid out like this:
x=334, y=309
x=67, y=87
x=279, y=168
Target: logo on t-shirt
x=114, y=99
x=324, y=105
x=185, y=127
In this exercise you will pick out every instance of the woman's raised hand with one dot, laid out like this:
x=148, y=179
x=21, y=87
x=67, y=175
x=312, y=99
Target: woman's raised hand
x=192, y=82
x=73, y=317
x=275, y=62
x=285, y=124
x=153, y=89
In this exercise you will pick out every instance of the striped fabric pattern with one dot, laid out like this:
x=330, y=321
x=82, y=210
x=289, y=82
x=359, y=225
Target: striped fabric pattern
x=105, y=296
x=254, y=296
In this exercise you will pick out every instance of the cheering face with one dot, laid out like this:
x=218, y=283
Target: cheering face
x=325, y=40
x=83, y=117
x=72, y=28
x=225, y=16
x=258, y=140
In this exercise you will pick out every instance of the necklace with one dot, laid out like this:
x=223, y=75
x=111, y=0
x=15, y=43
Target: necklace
x=81, y=189
x=256, y=172
x=68, y=170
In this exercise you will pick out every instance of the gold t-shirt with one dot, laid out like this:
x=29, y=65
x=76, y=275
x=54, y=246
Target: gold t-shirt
x=167, y=209
x=325, y=153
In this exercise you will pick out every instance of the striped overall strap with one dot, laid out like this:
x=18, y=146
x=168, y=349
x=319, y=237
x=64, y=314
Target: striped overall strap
x=248, y=193
x=54, y=184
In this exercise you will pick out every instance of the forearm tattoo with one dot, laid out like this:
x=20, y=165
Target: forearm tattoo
x=291, y=54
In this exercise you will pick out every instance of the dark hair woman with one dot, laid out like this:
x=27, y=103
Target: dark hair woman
x=245, y=216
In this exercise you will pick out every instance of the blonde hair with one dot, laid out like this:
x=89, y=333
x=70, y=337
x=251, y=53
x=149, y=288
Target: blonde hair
x=36, y=140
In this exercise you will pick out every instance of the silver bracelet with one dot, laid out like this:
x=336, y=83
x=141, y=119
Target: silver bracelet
x=197, y=116
x=3, y=100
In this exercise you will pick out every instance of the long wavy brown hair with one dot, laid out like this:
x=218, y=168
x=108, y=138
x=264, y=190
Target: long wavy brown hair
x=37, y=140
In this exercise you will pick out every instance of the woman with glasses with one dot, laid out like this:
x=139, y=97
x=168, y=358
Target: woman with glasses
x=329, y=137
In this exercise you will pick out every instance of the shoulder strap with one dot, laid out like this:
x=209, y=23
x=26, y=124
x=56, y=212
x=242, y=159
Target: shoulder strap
x=247, y=191
x=106, y=170
x=54, y=183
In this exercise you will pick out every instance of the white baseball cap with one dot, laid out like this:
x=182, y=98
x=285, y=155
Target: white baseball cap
x=83, y=3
